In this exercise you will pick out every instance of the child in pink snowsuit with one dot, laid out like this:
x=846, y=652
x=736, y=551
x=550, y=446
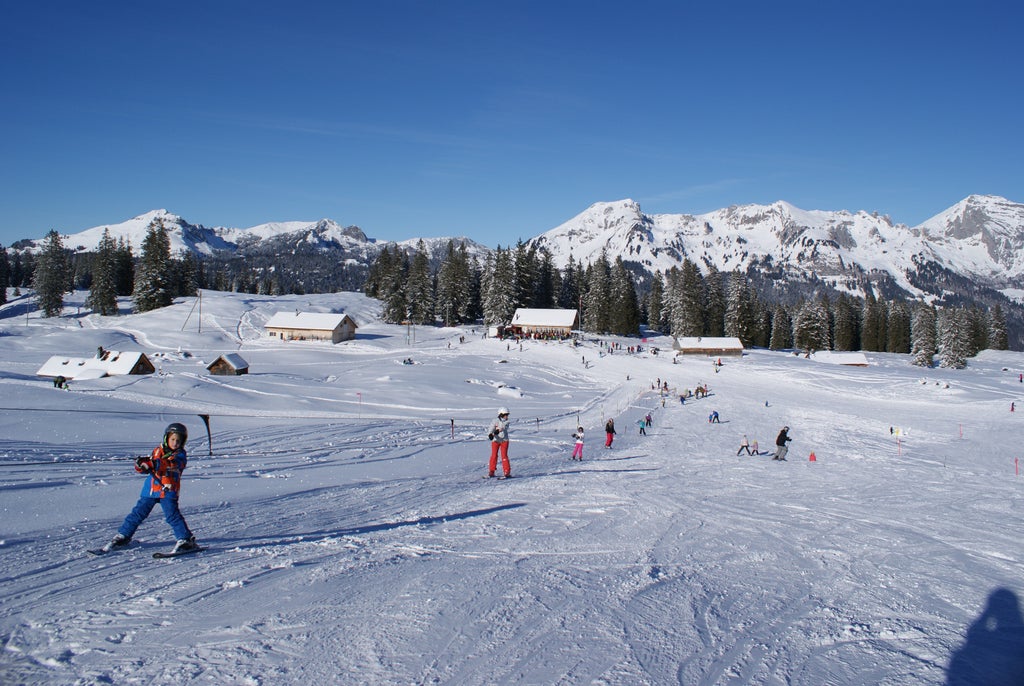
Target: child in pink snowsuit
x=577, y=450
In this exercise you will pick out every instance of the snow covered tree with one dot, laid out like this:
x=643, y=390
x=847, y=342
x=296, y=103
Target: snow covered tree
x=453, y=286
x=811, y=327
x=102, y=297
x=51, y=275
x=153, y=288
x=740, y=310
x=922, y=335
x=954, y=338
x=998, y=338
x=498, y=300
x=124, y=268
x=420, y=288
x=597, y=299
x=686, y=298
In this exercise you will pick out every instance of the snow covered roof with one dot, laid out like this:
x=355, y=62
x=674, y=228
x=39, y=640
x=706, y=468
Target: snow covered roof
x=856, y=359
x=708, y=343
x=112, y=363
x=529, y=316
x=325, y=321
x=233, y=359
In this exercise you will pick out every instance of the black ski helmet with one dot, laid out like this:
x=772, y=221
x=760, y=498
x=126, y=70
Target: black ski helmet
x=176, y=428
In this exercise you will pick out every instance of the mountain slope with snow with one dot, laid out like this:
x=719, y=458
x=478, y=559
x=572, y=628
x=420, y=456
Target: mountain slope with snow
x=981, y=238
x=351, y=539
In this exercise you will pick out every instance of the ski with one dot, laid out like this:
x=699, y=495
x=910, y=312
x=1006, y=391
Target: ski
x=106, y=549
x=189, y=551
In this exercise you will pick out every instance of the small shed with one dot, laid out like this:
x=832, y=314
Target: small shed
x=105, y=363
x=711, y=346
x=543, y=323
x=229, y=364
x=311, y=326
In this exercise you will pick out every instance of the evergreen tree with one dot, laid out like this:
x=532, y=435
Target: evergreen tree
x=124, y=268
x=102, y=297
x=740, y=310
x=525, y=272
x=153, y=287
x=687, y=302
x=811, y=328
x=922, y=334
x=624, y=317
x=51, y=275
x=655, y=307
x=954, y=338
x=998, y=338
x=715, y=303
x=5, y=274
x=873, y=330
x=597, y=300
x=499, y=300
x=977, y=325
x=420, y=288
x=782, y=330
x=845, y=324
x=898, y=327
x=453, y=280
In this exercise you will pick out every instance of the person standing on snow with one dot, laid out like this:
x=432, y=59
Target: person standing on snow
x=780, y=444
x=577, y=450
x=643, y=426
x=609, y=432
x=163, y=484
x=744, y=445
x=498, y=434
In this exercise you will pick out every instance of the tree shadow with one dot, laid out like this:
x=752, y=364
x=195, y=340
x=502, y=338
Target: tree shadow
x=993, y=653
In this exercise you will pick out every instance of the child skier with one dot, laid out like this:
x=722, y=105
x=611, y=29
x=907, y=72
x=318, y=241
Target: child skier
x=609, y=432
x=577, y=450
x=643, y=426
x=163, y=485
x=744, y=445
x=498, y=434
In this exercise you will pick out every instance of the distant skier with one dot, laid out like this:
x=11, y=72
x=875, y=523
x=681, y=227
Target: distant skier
x=163, y=484
x=609, y=432
x=713, y=418
x=780, y=444
x=744, y=445
x=498, y=435
x=643, y=426
x=577, y=450
x=648, y=419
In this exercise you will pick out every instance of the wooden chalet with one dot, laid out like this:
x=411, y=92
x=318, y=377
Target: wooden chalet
x=105, y=363
x=543, y=323
x=710, y=346
x=311, y=326
x=229, y=364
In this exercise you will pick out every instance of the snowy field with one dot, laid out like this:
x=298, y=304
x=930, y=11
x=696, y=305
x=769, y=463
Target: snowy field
x=352, y=539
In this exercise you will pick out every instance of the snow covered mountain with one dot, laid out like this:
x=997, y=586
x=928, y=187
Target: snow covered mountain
x=976, y=244
x=272, y=238
x=980, y=238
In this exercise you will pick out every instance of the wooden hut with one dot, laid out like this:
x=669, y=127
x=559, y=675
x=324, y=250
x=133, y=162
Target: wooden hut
x=229, y=364
x=311, y=326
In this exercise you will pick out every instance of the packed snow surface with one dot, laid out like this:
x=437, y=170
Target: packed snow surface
x=352, y=539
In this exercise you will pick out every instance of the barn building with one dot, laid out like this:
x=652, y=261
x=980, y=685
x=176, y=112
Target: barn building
x=311, y=326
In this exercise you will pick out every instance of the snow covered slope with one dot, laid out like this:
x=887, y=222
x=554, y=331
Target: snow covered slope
x=352, y=540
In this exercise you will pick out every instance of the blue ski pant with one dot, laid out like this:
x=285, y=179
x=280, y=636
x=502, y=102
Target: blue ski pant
x=142, y=509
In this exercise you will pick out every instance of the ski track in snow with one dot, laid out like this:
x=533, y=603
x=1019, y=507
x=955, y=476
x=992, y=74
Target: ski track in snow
x=368, y=549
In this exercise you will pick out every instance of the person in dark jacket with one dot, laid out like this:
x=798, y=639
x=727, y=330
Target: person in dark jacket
x=609, y=432
x=780, y=444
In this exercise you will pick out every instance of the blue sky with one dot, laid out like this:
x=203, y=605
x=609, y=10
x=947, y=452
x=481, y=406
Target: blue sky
x=500, y=120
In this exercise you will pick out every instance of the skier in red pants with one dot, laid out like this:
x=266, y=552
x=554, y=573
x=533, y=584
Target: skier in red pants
x=498, y=434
